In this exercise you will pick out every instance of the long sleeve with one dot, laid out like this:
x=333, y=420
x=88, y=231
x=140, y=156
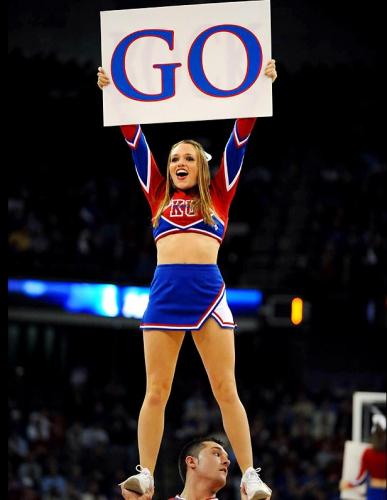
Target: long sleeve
x=223, y=185
x=148, y=173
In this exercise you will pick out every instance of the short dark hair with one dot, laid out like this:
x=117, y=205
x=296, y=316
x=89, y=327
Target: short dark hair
x=193, y=449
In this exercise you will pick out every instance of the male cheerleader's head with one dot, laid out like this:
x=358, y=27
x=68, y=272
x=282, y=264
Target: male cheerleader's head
x=205, y=461
x=188, y=170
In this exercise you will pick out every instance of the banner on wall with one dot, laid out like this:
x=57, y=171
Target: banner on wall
x=186, y=63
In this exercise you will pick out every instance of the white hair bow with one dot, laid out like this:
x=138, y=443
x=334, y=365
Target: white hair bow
x=380, y=420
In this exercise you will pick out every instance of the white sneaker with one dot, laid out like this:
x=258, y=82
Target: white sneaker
x=253, y=485
x=139, y=483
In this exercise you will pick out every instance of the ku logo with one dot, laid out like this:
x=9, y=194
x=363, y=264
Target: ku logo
x=181, y=208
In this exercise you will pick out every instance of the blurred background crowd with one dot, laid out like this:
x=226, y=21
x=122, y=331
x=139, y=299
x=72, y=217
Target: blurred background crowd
x=75, y=393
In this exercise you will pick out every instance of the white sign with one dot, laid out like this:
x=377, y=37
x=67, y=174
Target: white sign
x=186, y=63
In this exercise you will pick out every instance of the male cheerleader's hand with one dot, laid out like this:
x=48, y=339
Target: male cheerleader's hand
x=244, y=495
x=270, y=70
x=103, y=79
x=131, y=495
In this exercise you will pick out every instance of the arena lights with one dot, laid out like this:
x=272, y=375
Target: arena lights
x=89, y=298
x=296, y=313
x=284, y=311
x=135, y=300
x=112, y=300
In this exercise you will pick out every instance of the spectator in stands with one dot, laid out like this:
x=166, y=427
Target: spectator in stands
x=373, y=463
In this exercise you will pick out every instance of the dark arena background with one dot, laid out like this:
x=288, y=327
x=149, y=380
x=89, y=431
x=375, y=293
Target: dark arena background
x=309, y=221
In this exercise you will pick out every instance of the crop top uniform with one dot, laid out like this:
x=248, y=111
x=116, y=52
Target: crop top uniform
x=372, y=466
x=183, y=296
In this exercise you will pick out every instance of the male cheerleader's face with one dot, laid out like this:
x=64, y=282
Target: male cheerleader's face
x=183, y=166
x=211, y=464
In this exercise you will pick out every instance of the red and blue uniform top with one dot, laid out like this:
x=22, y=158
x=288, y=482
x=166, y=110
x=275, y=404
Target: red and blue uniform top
x=373, y=465
x=178, y=216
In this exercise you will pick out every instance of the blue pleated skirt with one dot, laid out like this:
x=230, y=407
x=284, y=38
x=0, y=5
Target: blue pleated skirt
x=184, y=296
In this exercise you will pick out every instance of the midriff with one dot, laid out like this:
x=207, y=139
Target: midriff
x=377, y=483
x=187, y=248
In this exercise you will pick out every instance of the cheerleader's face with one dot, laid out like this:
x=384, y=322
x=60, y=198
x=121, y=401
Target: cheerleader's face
x=183, y=166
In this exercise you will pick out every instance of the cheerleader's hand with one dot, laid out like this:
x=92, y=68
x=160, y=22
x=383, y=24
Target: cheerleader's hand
x=103, y=79
x=131, y=495
x=345, y=485
x=270, y=70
